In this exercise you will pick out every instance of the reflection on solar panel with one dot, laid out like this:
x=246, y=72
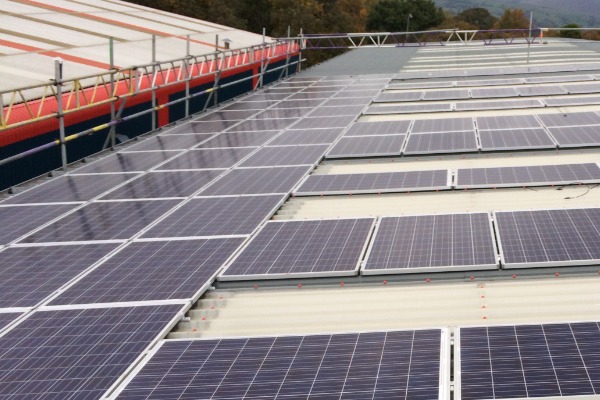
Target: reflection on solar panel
x=528, y=361
x=507, y=122
x=443, y=125
x=446, y=94
x=403, y=365
x=263, y=124
x=257, y=180
x=20, y=220
x=30, y=274
x=570, y=119
x=576, y=136
x=549, y=237
x=208, y=158
x=103, y=221
x=399, y=96
x=530, y=175
x=325, y=122
x=378, y=128
x=312, y=96
x=164, y=184
x=374, y=182
x=515, y=139
x=7, y=318
x=486, y=93
x=540, y=90
x=498, y=104
x=449, y=142
x=283, y=113
x=354, y=101
x=153, y=271
x=70, y=188
x=297, y=104
x=286, y=155
x=204, y=127
x=266, y=97
x=409, y=108
x=239, y=139
x=307, y=136
x=339, y=110
x=432, y=243
x=76, y=353
x=302, y=249
x=226, y=115
x=170, y=142
x=366, y=146
x=213, y=216
x=248, y=105
x=127, y=162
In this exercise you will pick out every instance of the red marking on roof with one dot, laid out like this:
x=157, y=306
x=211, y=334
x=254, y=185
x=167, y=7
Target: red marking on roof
x=106, y=20
x=50, y=53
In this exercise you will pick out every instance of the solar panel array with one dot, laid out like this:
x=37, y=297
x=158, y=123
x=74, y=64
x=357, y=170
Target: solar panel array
x=432, y=243
x=284, y=249
x=528, y=361
x=396, y=364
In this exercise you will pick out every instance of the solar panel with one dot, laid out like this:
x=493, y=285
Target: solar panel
x=248, y=105
x=448, y=142
x=548, y=237
x=498, y=104
x=283, y=113
x=145, y=271
x=378, y=128
x=127, y=162
x=540, y=90
x=490, y=82
x=263, y=124
x=209, y=126
x=405, y=365
x=367, y=146
x=346, y=102
x=6, y=318
x=71, y=354
x=286, y=155
x=399, y=96
x=164, y=184
x=30, y=274
x=583, y=88
x=325, y=122
x=534, y=175
x=286, y=249
x=572, y=101
x=527, y=361
x=230, y=115
x=103, y=221
x=447, y=94
x=307, y=136
x=515, y=139
x=570, y=119
x=488, y=93
x=507, y=122
x=443, y=125
x=576, y=136
x=451, y=242
x=170, y=142
x=357, y=93
x=409, y=108
x=70, y=188
x=297, y=104
x=419, y=85
x=20, y=220
x=208, y=158
x=339, y=110
x=316, y=185
x=311, y=96
x=558, y=79
x=239, y=139
x=213, y=216
x=266, y=97
x=257, y=180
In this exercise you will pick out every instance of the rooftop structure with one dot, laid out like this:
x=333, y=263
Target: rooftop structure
x=394, y=223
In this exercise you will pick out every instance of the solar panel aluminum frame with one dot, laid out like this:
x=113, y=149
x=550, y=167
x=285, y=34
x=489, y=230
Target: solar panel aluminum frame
x=293, y=275
x=418, y=270
x=517, y=184
x=162, y=334
x=546, y=264
x=444, y=371
x=297, y=193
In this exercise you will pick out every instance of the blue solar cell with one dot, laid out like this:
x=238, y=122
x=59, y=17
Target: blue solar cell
x=30, y=274
x=7, y=318
x=127, y=162
x=20, y=220
x=154, y=270
x=375, y=365
x=286, y=155
x=76, y=354
x=208, y=158
x=170, y=142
